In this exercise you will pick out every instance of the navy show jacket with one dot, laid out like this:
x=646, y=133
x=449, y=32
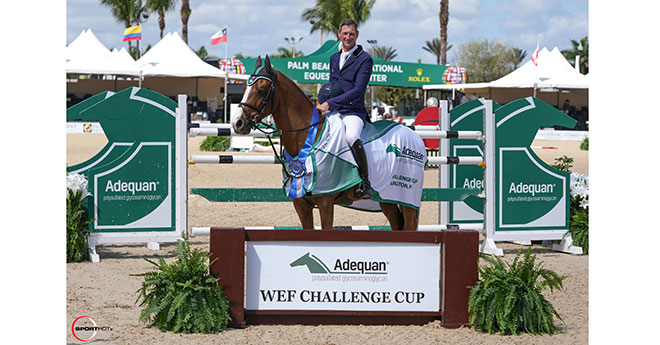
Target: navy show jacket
x=353, y=79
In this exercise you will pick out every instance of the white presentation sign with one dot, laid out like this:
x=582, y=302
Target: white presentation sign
x=356, y=276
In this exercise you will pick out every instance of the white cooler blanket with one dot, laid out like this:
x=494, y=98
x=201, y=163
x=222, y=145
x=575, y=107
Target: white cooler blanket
x=396, y=157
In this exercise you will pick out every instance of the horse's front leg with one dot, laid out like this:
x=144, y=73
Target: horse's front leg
x=304, y=211
x=326, y=206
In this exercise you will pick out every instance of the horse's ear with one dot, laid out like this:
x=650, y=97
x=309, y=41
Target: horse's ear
x=257, y=64
x=267, y=63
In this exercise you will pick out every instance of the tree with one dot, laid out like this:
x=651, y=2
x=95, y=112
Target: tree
x=286, y=53
x=185, y=15
x=517, y=56
x=444, y=21
x=127, y=12
x=161, y=6
x=485, y=60
x=135, y=54
x=326, y=15
x=434, y=47
x=570, y=54
x=385, y=53
x=204, y=54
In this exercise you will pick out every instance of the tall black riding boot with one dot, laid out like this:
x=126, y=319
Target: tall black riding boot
x=363, y=189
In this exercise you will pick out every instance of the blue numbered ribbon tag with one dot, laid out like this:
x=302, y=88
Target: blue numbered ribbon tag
x=297, y=168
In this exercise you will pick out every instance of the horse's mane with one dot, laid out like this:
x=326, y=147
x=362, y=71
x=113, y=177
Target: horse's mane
x=282, y=76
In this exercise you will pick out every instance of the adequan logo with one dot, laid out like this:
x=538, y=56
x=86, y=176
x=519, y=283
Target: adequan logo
x=345, y=266
x=405, y=153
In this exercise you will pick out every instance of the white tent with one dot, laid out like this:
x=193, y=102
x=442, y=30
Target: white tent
x=172, y=57
x=552, y=71
x=87, y=55
x=123, y=55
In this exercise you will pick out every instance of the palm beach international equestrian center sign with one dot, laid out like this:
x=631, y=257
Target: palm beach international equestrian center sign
x=315, y=68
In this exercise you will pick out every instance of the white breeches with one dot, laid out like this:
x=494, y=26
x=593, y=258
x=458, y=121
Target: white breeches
x=352, y=127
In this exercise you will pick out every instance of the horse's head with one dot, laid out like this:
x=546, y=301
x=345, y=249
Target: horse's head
x=303, y=260
x=257, y=100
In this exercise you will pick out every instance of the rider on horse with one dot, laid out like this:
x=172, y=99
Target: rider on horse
x=350, y=71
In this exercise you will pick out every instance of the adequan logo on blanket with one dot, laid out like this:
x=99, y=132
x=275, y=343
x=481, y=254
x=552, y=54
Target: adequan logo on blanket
x=406, y=153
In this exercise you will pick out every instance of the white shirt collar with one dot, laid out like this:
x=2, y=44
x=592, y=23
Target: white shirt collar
x=350, y=51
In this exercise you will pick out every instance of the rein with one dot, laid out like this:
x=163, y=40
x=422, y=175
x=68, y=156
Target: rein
x=254, y=123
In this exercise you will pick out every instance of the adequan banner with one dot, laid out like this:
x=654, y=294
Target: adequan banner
x=343, y=276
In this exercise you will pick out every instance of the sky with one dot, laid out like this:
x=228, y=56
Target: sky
x=258, y=27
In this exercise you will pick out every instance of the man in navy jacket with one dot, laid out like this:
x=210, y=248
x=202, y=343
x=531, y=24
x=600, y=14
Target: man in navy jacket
x=350, y=70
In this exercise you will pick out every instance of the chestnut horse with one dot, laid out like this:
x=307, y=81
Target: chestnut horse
x=271, y=92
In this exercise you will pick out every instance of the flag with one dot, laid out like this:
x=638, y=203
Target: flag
x=220, y=36
x=133, y=33
x=535, y=55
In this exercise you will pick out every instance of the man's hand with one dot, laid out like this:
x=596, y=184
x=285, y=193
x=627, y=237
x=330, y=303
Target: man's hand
x=322, y=108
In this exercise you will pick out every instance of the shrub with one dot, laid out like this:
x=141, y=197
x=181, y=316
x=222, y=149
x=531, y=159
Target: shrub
x=585, y=144
x=183, y=297
x=215, y=144
x=508, y=297
x=563, y=163
x=77, y=219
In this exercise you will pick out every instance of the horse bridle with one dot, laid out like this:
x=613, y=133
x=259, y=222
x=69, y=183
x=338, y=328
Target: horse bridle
x=255, y=120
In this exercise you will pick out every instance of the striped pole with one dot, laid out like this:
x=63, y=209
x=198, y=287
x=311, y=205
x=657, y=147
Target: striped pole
x=426, y=132
x=435, y=134
x=206, y=231
x=229, y=159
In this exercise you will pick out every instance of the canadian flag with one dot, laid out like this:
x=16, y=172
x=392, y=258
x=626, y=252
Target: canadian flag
x=219, y=37
x=535, y=55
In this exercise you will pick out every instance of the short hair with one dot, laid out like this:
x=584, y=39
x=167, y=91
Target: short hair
x=348, y=21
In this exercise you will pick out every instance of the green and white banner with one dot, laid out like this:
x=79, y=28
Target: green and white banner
x=315, y=68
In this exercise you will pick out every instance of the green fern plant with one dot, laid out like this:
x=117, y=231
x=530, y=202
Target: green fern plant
x=77, y=227
x=182, y=296
x=508, y=297
x=585, y=144
x=579, y=229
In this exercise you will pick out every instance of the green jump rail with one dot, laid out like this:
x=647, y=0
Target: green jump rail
x=278, y=195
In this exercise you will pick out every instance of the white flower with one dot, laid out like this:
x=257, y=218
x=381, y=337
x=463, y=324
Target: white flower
x=584, y=203
x=580, y=188
x=76, y=182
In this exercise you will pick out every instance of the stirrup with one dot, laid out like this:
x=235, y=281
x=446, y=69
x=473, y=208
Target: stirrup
x=363, y=190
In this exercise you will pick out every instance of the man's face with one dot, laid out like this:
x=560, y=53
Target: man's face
x=348, y=36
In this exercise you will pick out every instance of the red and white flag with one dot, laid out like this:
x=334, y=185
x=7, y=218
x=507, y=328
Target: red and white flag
x=535, y=55
x=219, y=37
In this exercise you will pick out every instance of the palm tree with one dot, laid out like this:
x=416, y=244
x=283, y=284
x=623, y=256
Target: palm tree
x=385, y=53
x=286, y=53
x=570, y=54
x=127, y=12
x=435, y=47
x=326, y=15
x=444, y=21
x=517, y=56
x=160, y=6
x=185, y=15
